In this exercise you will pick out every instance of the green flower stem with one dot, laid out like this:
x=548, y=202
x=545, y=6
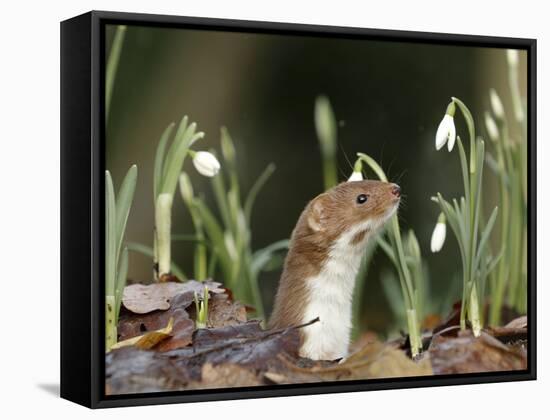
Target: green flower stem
x=398, y=257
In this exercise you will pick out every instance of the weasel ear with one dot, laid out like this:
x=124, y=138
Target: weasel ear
x=316, y=219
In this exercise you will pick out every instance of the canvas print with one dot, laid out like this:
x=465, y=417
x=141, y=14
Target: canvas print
x=285, y=208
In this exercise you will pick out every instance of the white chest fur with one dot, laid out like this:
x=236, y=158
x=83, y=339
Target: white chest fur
x=330, y=298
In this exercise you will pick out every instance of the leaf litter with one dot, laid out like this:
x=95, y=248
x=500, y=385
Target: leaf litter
x=160, y=349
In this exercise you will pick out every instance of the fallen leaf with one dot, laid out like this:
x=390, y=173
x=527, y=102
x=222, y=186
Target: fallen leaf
x=142, y=299
x=226, y=375
x=148, y=340
x=223, y=312
x=236, y=349
x=132, y=325
x=375, y=360
x=468, y=354
x=129, y=370
x=520, y=322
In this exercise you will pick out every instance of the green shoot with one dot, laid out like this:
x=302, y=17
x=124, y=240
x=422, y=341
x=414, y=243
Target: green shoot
x=117, y=209
x=201, y=308
x=167, y=168
x=325, y=125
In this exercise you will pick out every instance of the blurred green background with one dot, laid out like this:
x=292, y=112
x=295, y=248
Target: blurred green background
x=388, y=98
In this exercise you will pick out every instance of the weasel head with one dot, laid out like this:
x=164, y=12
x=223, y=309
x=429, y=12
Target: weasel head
x=355, y=209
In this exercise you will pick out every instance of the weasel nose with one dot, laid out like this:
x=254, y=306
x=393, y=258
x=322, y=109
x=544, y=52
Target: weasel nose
x=396, y=190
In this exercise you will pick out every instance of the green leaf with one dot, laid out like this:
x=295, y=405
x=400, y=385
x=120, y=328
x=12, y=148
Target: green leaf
x=386, y=247
x=263, y=256
x=220, y=194
x=216, y=235
x=110, y=236
x=159, y=159
x=325, y=125
x=256, y=188
x=122, y=276
x=124, y=203
x=112, y=66
x=394, y=297
x=485, y=236
x=228, y=147
x=176, y=156
x=148, y=251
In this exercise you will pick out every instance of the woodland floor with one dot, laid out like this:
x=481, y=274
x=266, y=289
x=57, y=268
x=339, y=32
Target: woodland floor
x=160, y=349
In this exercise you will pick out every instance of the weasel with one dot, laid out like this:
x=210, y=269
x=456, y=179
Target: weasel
x=325, y=252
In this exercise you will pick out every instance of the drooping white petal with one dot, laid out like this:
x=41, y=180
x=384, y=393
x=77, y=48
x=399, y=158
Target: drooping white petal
x=438, y=237
x=442, y=134
x=496, y=104
x=491, y=126
x=206, y=164
x=513, y=58
x=452, y=135
x=355, y=176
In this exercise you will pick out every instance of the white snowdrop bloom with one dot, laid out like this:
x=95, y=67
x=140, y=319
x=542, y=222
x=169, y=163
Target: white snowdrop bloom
x=446, y=133
x=491, y=126
x=206, y=163
x=355, y=176
x=438, y=235
x=496, y=104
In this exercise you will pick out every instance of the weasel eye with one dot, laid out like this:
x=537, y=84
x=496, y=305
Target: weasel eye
x=362, y=198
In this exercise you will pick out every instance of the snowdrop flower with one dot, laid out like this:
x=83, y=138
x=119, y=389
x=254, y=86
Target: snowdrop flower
x=491, y=127
x=439, y=233
x=446, y=132
x=205, y=163
x=496, y=104
x=357, y=174
x=513, y=58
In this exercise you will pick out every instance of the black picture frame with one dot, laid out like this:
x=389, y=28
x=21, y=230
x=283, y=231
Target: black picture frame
x=82, y=204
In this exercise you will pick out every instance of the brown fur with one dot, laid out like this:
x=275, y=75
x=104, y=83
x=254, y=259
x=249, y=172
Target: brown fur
x=323, y=220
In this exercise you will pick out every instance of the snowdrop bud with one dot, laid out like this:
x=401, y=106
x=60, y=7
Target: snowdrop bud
x=206, y=163
x=496, y=104
x=439, y=233
x=512, y=57
x=491, y=126
x=357, y=174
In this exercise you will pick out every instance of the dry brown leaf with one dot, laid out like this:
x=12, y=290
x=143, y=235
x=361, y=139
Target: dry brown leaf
x=520, y=322
x=236, y=350
x=148, y=340
x=226, y=375
x=142, y=299
x=375, y=360
x=468, y=354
